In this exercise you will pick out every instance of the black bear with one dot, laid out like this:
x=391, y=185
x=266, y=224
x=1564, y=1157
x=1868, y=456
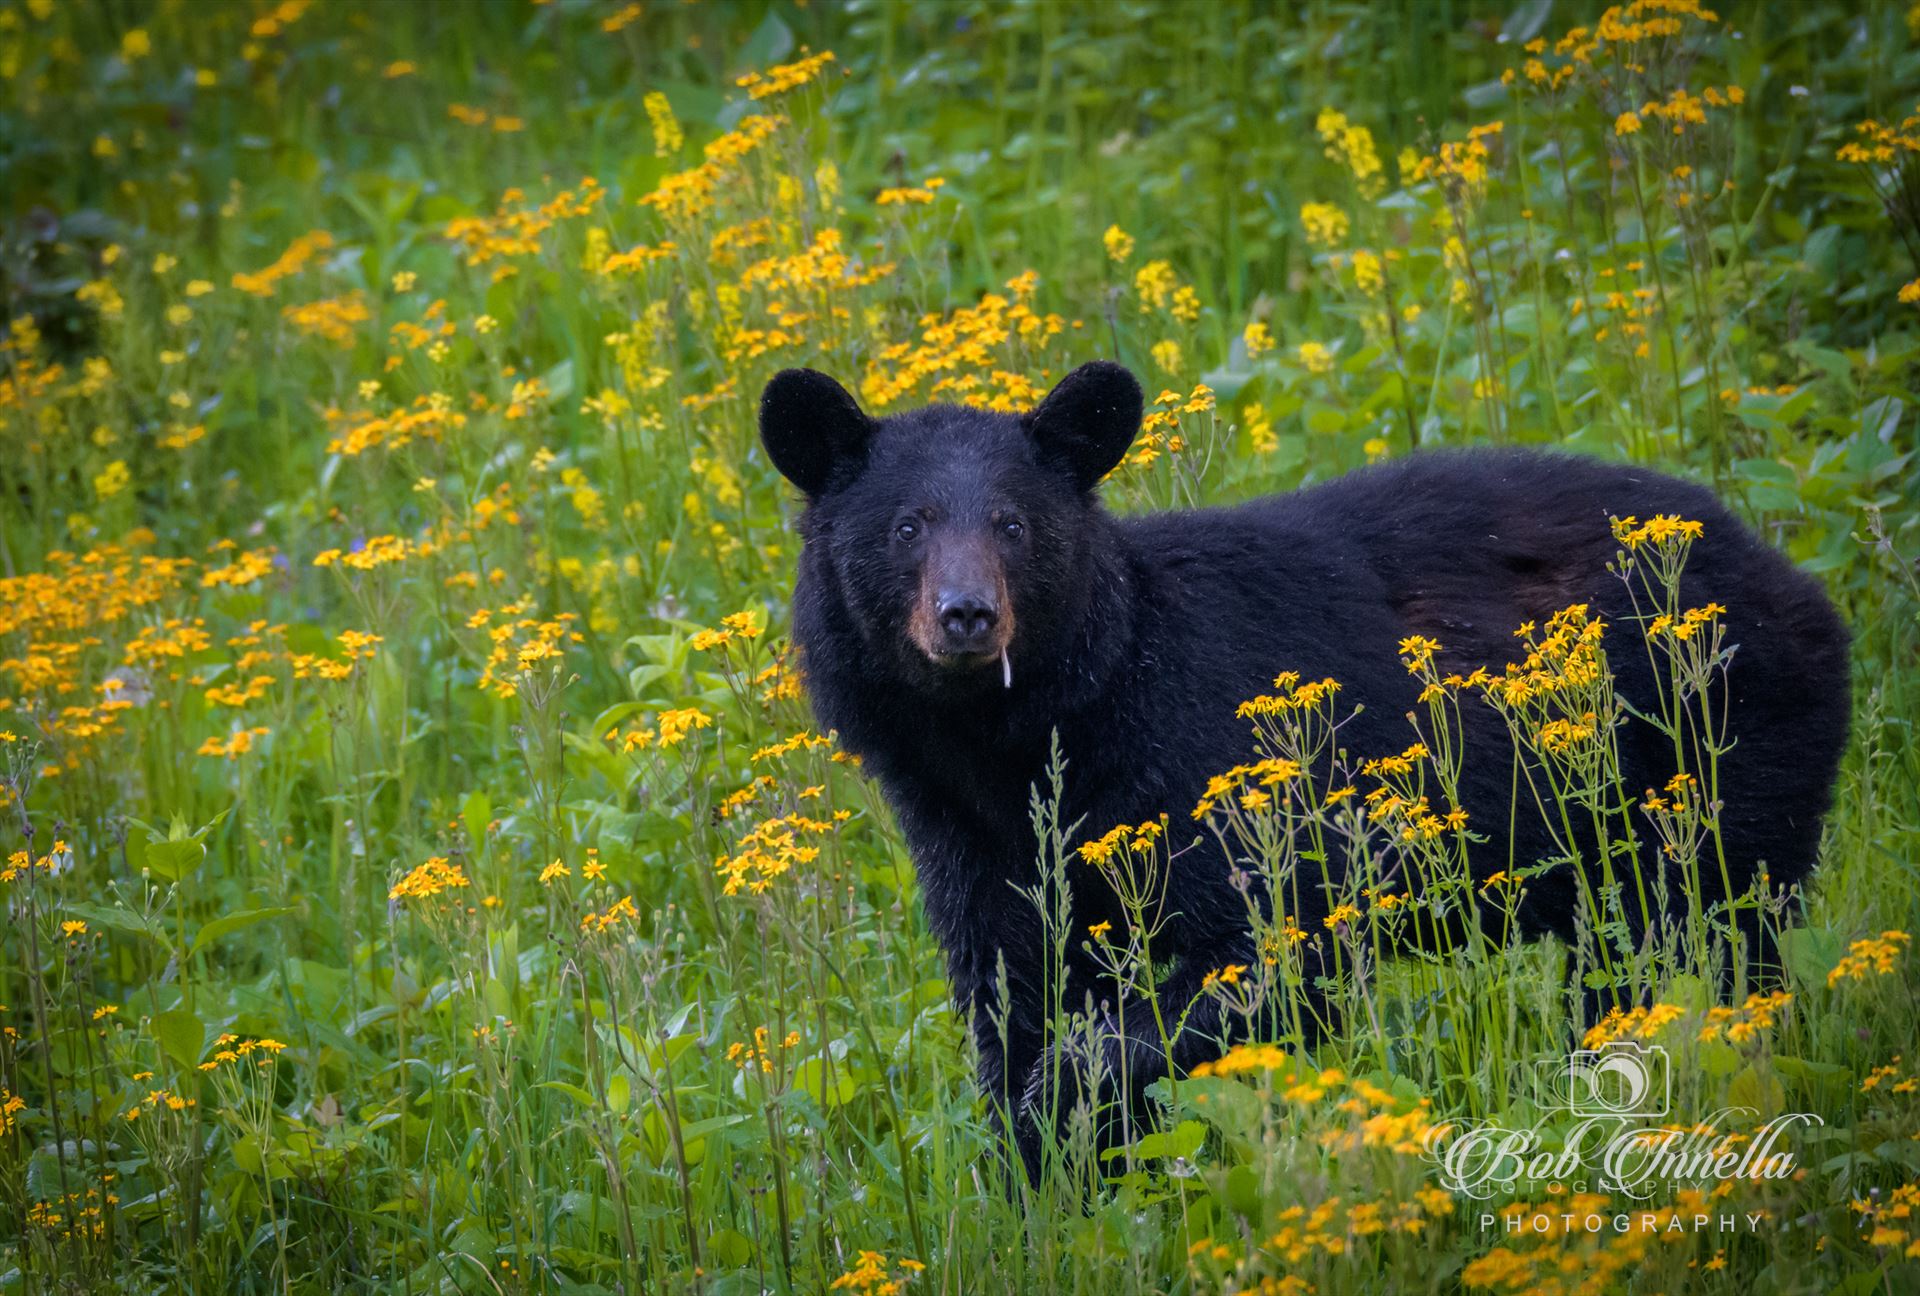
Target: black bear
x=963, y=597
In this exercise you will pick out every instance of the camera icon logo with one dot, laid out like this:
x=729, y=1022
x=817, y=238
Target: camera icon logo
x=1620, y=1078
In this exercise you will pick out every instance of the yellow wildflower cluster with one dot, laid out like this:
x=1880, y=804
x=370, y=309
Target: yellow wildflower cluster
x=1293, y=695
x=1581, y=1243
x=355, y=646
x=1888, y=1221
x=21, y=861
x=975, y=355
x=155, y=1100
x=784, y=77
x=620, y=911
x=1744, y=1024
x=760, y=1051
x=686, y=194
x=1889, y=1077
x=373, y=552
x=805, y=740
x=428, y=880
x=431, y=416
x=1566, y=659
x=1251, y=785
x=331, y=318
x=513, y=230
x=748, y=626
x=1325, y=224
x=1688, y=624
x=265, y=281
x=231, y=1050
x=1872, y=956
x=874, y=1275
x=668, y=138
x=670, y=728
x=1408, y=818
x=235, y=745
x=1641, y=1022
x=520, y=644
x=250, y=566
x=1462, y=167
x=910, y=195
x=1160, y=429
x=1351, y=146
x=772, y=848
x=1139, y=839
x=1882, y=144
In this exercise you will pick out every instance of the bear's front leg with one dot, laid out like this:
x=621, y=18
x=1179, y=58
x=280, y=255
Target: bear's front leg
x=1102, y=1071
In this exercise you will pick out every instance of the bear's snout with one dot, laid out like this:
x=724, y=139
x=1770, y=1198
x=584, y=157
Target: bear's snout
x=963, y=613
x=967, y=619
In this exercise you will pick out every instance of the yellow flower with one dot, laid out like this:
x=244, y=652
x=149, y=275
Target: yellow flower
x=1627, y=123
x=1119, y=244
x=1326, y=225
x=1154, y=282
x=1368, y=275
x=1258, y=338
x=136, y=45
x=668, y=138
x=1166, y=354
x=428, y=880
x=113, y=480
x=1316, y=358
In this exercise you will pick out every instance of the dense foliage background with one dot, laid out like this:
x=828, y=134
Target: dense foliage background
x=420, y=873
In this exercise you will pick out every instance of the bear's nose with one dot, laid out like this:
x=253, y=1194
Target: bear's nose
x=967, y=619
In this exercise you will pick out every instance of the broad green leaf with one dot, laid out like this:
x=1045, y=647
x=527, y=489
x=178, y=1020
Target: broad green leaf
x=1183, y=1140
x=181, y=1035
x=476, y=812
x=227, y=924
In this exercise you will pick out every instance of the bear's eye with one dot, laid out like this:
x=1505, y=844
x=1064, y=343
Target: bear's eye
x=1013, y=530
x=907, y=530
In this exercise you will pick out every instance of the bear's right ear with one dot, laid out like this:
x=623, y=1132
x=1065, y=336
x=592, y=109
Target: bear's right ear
x=811, y=427
x=1088, y=420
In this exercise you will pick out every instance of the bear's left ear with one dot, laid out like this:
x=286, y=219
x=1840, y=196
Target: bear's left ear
x=812, y=428
x=1088, y=420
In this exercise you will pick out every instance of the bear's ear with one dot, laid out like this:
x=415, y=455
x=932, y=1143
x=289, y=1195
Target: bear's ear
x=811, y=427
x=1088, y=420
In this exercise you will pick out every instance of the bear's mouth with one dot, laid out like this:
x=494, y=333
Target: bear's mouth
x=976, y=661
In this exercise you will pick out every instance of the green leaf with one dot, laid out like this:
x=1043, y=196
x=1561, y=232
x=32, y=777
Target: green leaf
x=1809, y=954
x=572, y=1091
x=730, y=1247
x=1183, y=1140
x=181, y=1035
x=227, y=924
x=810, y=1078
x=117, y=919
x=1759, y=1091
x=476, y=812
x=172, y=859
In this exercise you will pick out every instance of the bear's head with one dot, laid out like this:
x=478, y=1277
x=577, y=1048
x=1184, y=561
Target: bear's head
x=956, y=539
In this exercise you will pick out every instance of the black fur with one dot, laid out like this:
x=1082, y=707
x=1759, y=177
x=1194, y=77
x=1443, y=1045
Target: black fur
x=1135, y=638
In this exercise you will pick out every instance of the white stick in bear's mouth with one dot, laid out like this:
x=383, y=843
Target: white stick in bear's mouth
x=1006, y=669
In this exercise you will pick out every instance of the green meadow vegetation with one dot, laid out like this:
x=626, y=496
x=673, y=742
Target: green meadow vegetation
x=420, y=870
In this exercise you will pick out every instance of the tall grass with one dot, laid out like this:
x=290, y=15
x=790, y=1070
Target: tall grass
x=422, y=874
